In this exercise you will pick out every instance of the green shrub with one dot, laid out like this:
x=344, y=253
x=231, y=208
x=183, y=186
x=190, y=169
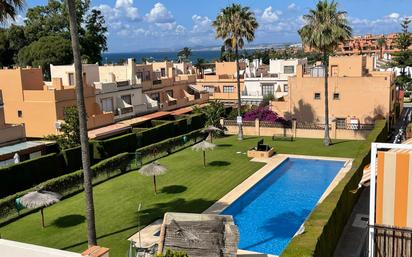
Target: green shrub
x=18, y=177
x=105, y=148
x=325, y=224
x=70, y=183
x=170, y=253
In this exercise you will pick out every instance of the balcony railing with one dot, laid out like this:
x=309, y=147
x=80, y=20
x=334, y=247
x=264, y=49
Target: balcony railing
x=392, y=241
x=124, y=83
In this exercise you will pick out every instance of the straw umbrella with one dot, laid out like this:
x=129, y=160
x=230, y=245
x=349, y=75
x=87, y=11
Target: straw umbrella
x=210, y=131
x=40, y=199
x=203, y=146
x=153, y=169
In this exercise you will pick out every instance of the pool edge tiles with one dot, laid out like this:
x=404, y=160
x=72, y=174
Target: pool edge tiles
x=252, y=186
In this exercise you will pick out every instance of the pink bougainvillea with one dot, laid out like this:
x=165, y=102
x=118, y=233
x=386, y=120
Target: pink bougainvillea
x=263, y=114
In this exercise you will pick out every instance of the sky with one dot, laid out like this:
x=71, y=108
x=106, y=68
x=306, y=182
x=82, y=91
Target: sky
x=144, y=25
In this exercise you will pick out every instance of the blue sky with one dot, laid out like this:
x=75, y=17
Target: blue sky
x=136, y=25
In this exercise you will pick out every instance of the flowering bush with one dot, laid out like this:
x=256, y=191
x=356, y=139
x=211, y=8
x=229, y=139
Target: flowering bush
x=263, y=114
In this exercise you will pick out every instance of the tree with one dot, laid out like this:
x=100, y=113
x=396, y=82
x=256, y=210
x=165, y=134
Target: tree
x=94, y=40
x=325, y=28
x=234, y=24
x=213, y=113
x=17, y=40
x=403, y=58
x=9, y=8
x=70, y=132
x=47, y=50
x=381, y=42
x=200, y=62
x=84, y=141
x=184, y=54
x=6, y=54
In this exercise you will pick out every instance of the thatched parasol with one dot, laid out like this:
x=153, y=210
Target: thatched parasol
x=40, y=199
x=203, y=146
x=153, y=169
x=210, y=130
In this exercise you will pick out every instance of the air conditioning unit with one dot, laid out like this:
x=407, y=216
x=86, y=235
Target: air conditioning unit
x=58, y=125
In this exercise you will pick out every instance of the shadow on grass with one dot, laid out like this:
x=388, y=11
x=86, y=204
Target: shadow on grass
x=219, y=163
x=224, y=145
x=155, y=212
x=339, y=142
x=175, y=189
x=69, y=221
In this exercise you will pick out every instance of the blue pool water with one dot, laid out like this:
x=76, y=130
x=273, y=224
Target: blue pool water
x=270, y=213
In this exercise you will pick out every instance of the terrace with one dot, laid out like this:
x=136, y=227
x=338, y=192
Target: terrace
x=184, y=188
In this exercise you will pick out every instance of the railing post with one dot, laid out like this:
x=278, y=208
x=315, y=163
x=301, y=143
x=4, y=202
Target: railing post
x=294, y=128
x=257, y=127
x=222, y=122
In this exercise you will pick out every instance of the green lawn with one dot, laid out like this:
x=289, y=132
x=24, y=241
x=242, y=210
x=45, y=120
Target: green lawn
x=187, y=187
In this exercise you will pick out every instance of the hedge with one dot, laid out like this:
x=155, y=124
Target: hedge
x=105, y=148
x=23, y=175
x=324, y=226
x=69, y=183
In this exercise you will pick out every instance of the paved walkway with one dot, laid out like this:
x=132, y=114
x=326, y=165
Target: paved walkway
x=355, y=232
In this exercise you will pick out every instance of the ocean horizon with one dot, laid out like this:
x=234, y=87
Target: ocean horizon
x=208, y=55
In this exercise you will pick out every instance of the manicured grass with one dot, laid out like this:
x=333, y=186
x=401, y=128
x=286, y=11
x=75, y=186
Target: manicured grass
x=187, y=187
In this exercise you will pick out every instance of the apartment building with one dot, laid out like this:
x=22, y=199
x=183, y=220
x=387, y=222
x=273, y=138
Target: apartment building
x=368, y=44
x=9, y=133
x=221, y=84
x=40, y=106
x=116, y=88
x=356, y=91
x=259, y=82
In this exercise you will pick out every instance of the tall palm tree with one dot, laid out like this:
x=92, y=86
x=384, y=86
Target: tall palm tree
x=381, y=42
x=184, y=54
x=325, y=28
x=234, y=24
x=9, y=8
x=87, y=172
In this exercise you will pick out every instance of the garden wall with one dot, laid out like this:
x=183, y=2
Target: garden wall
x=325, y=224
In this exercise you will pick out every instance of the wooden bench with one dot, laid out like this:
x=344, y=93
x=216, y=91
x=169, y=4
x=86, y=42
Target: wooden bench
x=282, y=137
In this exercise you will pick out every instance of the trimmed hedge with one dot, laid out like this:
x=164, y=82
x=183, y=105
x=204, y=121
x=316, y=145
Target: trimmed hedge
x=69, y=183
x=18, y=177
x=105, y=148
x=324, y=226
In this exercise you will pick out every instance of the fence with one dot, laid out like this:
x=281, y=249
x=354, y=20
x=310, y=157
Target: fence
x=337, y=130
x=392, y=242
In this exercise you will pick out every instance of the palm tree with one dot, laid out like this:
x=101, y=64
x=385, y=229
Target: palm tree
x=8, y=9
x=234, y=24
x=87, y=172
x=184, y=54
x=199, y=65
x=381, y=43
x=325, y=28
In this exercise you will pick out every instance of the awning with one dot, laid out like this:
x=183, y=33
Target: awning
x=197, y=88
x=122, y=104
x=169, y=98
x=108, y=131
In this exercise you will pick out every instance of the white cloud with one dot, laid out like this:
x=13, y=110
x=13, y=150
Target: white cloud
x=269, y=15
x=393, y=16
x=132, y=13
x=201, y=24
x=123, y=3
x=293, y=7
x=159, y=14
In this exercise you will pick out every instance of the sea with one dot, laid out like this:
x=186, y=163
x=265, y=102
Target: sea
x=208, y=55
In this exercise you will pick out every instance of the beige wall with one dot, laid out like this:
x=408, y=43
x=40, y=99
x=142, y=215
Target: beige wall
x=91, y=72
x=364, y=97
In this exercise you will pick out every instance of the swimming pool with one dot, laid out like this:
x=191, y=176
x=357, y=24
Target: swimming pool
x=270, y=213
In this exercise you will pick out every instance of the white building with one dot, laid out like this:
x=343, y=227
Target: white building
x=117, y=88
x=261, y=81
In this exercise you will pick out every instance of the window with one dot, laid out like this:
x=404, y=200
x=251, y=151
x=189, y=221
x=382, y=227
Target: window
x=127, y=99
x=209, y=89
x=336, y=96
x=163, y=72
x=71, y=78
x=170, y=93
x=139, y=75
x=268, y=89
x=107, y=104
x=317, y=96
x=340, y=123
x=289, y=69
x=147, y=75
x=20, y=114
x=155, y=96
x=285, y=88
x=228, y=89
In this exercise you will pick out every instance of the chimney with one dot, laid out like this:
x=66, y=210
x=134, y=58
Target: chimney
x=96, y=251
x=57, y=83
x=131, y=68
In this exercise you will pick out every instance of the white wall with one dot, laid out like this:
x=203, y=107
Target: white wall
x=277, y=67
x=16, y=249
x=62, y=71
